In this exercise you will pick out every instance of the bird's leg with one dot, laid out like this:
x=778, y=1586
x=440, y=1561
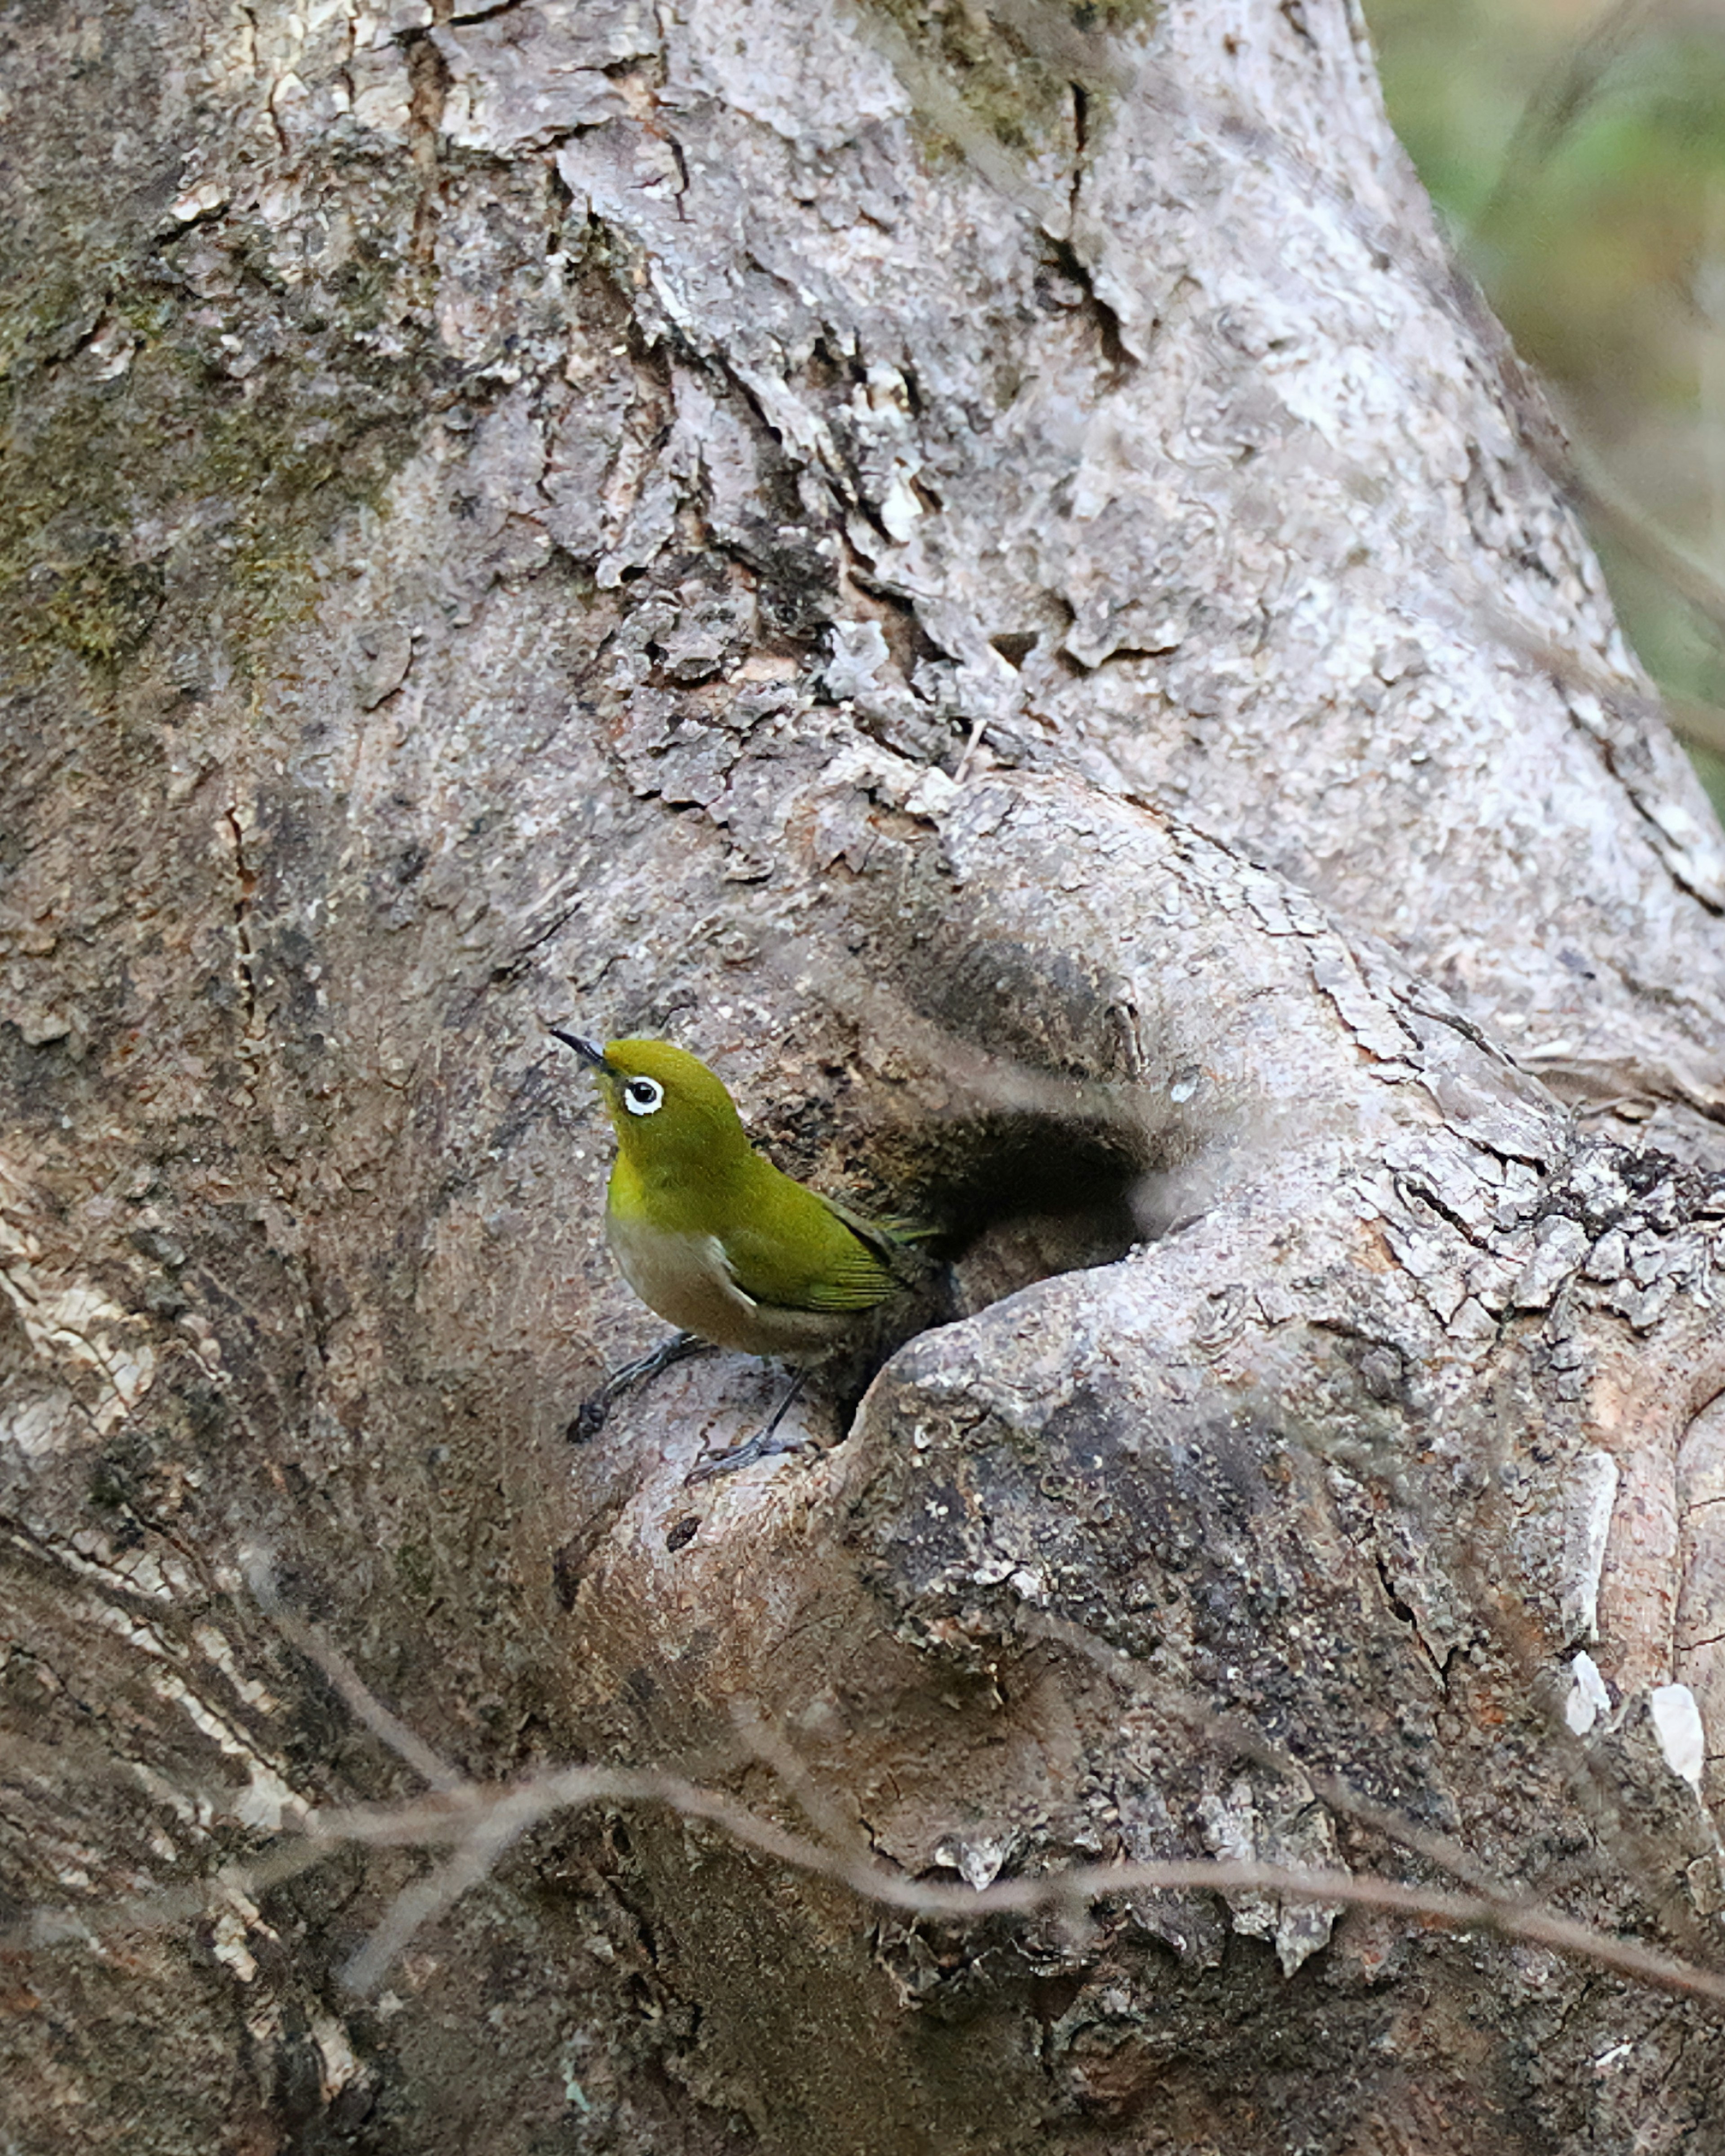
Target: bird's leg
x=590, y=1415
x=760, y=1447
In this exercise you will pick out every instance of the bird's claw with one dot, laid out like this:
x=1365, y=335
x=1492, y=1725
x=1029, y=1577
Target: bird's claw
x=762, y=1446
x=589, y=1417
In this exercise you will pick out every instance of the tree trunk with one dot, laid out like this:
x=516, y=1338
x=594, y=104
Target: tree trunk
x=978, y=566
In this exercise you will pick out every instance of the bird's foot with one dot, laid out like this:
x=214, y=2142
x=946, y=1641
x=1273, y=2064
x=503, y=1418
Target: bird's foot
x=760, y=1447
x=590, y=1416
x=764, y=1445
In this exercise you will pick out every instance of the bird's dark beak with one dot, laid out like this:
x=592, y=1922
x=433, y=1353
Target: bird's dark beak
x=589, y=1051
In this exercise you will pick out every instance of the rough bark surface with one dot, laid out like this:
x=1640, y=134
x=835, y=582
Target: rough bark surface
x=976, y=566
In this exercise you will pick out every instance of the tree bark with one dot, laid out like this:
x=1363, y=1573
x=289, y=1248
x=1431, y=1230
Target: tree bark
x=979, y=566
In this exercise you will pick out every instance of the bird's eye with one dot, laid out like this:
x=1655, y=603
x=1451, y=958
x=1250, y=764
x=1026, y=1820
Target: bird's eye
x=642, y=1096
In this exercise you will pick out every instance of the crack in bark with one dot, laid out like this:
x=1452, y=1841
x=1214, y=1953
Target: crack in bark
x=1410, y=1183
x=1120, y=361
x=428, y=84
x=282, y=142
x=247, y=883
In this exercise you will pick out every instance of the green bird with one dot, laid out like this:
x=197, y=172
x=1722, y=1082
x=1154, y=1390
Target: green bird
x=716, y=1238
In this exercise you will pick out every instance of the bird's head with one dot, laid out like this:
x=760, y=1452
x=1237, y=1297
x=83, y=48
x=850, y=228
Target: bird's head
x=671, y=1115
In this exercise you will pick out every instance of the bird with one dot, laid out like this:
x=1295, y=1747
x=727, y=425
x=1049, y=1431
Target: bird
x=715, y=1238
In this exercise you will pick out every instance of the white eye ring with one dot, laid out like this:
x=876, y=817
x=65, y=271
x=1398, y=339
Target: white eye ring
x=644, y=1096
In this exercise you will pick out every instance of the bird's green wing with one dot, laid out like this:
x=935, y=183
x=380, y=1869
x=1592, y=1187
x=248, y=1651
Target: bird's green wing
x=890, y=1240
x=791, y=1247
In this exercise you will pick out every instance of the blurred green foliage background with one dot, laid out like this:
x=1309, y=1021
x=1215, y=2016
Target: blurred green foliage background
x=1578, y=152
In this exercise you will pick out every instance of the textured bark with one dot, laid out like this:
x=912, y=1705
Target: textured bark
x=979, y=568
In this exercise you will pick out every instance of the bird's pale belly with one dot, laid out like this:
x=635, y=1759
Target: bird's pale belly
x=684, y=1278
